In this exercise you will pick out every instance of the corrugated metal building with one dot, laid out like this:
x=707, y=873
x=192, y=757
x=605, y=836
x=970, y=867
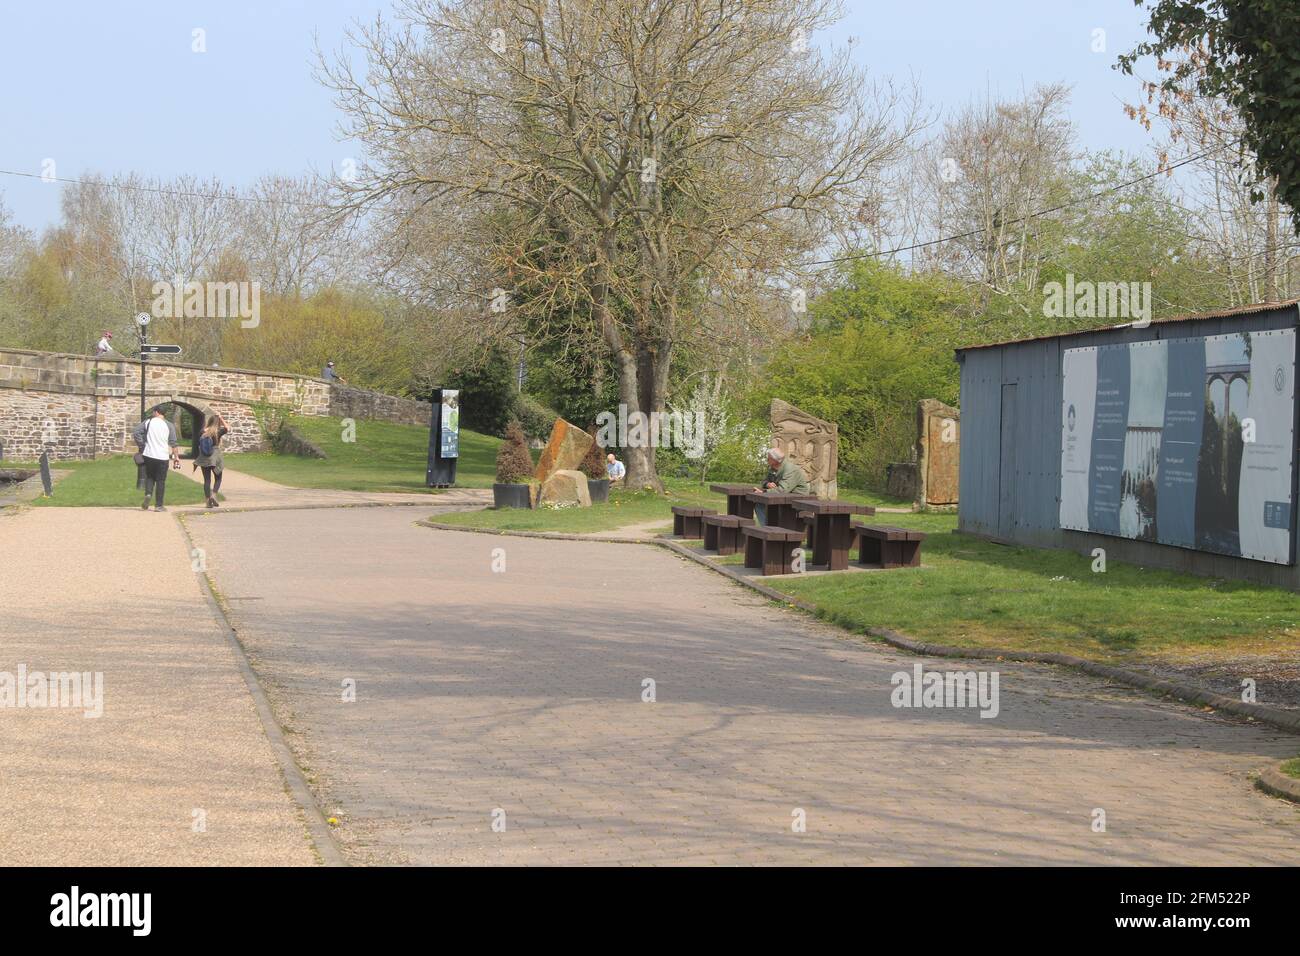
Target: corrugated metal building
x=1011, y=443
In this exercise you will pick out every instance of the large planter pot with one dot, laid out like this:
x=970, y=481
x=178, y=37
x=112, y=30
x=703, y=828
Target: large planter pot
x=598, y=488
x=511, y=496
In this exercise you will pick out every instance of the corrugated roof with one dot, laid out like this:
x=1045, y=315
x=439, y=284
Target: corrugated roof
x=1191, y=317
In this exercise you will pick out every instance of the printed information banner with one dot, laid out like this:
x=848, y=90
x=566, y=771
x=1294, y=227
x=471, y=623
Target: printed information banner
x=449, y=437
x=1188, y=442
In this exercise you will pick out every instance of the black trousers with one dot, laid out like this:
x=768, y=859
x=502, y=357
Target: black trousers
x=155, y=480
x=210, y=485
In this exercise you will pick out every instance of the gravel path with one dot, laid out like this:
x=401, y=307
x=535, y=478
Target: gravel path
x=177, y=770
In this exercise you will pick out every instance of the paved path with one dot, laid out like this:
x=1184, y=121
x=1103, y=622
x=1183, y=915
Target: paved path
x=521, y=692
x=242, y=490
x=112, y=591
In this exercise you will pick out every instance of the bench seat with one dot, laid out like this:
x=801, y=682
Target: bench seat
x=687, y=521
x=722, y=533
x=885, y=546
x=771, y=548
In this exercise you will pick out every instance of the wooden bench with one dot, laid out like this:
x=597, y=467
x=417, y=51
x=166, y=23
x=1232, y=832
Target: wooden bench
x=722, y=533
x=884, y=546
x=687, y=521
x=771, y=549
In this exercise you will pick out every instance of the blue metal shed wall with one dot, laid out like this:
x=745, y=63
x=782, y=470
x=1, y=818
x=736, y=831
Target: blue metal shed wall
x=1034, y=368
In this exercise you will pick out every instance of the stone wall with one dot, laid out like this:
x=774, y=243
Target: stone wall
x=348, y=402
x=76, y=406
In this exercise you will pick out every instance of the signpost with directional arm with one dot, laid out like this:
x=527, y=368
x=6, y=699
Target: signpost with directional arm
x=142, y=321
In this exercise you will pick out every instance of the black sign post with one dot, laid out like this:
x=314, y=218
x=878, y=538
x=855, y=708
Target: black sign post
x=142, y=323
x=47, y=482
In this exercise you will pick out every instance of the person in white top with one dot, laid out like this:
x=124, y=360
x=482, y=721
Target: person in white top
x=105, y=343
x=156, y=439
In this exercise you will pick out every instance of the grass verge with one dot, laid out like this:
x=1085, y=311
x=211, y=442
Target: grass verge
x=384, y=457
x=974, y=593
x=110, y=482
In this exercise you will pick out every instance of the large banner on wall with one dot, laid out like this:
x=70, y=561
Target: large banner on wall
x=1187, y=442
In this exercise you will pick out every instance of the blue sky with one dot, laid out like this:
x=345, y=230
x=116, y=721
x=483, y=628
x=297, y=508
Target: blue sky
x=115, y=87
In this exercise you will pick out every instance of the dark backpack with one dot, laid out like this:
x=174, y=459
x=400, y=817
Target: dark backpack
x=206, y=446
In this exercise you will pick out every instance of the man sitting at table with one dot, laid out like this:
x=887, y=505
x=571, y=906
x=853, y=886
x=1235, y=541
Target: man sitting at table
x=783, y=476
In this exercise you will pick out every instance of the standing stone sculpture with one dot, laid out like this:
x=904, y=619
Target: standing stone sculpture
x=938, y=453
x=564, y=452
x=560, y=460
x=812, y=443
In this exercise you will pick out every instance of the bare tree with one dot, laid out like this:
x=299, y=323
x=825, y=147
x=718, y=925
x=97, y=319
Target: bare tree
x=14, y=241
x=1243, y=229
x=291, y=241
x=994, y=165
x=615, y=167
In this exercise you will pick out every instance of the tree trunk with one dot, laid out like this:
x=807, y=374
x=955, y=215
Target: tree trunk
x=637, y=393
x=640, y=460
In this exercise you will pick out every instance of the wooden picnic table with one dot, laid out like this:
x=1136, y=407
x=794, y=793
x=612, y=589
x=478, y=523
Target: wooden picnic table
x=737, y=498
x=832, y=533
x=781, y=511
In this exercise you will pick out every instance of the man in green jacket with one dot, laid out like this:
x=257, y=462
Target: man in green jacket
x=784, y=476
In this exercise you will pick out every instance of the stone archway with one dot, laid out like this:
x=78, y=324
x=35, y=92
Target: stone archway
x=193, y=415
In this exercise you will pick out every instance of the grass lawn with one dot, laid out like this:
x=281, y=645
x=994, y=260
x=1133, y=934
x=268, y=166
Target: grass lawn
x=625, y=508
x=1292, y=768
x=975, y=593
x=109, y=482
x=384, y=457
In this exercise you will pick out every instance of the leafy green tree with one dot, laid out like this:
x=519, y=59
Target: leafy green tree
x=1244, y=51
x=487, y=393
x=879, y=343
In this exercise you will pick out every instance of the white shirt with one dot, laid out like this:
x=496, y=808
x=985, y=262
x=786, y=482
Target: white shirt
x=104, y=346
x=157, y=439
x=615, y=469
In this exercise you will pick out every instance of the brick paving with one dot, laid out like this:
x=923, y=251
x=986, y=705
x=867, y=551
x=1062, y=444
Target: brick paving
x=521, y=691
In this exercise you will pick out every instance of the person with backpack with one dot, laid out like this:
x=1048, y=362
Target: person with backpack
x=156, y=439
x=210, y=458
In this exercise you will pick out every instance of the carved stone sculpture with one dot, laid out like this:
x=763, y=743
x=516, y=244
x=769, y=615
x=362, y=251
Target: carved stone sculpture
x=813, y=444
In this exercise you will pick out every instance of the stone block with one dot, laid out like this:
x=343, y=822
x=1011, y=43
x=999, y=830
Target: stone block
x=938, y=453
x=564, y=452
x=565, y=488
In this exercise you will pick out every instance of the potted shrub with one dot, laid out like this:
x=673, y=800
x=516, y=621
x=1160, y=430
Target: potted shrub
x=514, y=471
x=594, y=466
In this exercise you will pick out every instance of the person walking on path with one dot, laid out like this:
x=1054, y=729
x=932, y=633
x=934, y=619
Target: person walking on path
x=330, y=375
x=156, y=438
x=210, y=458
x=105, y=344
